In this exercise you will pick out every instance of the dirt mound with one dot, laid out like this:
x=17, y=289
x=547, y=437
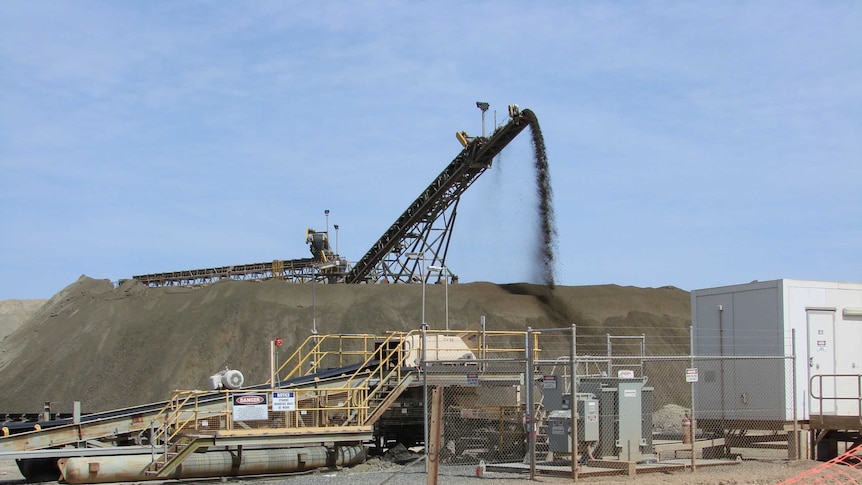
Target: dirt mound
x=13, y=314
x=114, y=347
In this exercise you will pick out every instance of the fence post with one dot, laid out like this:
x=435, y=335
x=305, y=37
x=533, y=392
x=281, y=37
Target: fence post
x=693, y=413
x=573, y=391
x=528, y=381
x=425, y=392
x=432, y=457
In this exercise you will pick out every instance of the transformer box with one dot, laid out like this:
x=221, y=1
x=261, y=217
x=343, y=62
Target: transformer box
x=560, y=423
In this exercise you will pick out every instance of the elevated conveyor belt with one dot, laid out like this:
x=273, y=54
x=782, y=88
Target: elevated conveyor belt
x=425, y=227
x=296, y=270
x=412, y=233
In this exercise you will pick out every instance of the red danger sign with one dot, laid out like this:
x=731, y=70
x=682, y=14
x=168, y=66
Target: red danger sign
x=250, y=407
x=249, y=399
x=278, y=342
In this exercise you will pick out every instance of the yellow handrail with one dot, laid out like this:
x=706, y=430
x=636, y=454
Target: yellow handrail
x=381, y=367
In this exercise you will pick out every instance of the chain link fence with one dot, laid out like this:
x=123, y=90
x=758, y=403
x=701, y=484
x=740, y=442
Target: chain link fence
x=638, y=399
x=482, y=402
x=549, y=399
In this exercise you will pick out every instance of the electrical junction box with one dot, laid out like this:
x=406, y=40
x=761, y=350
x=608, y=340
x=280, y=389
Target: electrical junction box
x=560, y=424
x=588, y=425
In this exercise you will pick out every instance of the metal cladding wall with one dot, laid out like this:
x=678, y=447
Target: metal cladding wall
x=759, y=319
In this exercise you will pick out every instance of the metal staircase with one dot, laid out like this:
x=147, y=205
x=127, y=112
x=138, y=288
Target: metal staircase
x=366, y=392
x=381, y=401
x=176, y=453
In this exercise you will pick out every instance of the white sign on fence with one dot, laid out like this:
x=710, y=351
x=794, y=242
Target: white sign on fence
x=691, y=374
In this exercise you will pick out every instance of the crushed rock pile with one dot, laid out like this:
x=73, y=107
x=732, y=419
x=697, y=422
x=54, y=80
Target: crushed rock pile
x=111, y=347
x=668, y=419
x=400, y=455
x=13, y=314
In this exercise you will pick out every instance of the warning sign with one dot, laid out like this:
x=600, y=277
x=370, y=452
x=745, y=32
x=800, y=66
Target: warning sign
x=284, y=401
x=691, y=374
x=472, y=379
x=250, y=407
x=558, y=427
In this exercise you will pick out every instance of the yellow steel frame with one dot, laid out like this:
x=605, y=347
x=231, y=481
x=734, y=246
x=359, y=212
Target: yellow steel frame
x=339, y=350
x=349, y=402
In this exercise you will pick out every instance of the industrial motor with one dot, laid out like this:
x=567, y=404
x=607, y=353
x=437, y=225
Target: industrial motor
x=226, y=379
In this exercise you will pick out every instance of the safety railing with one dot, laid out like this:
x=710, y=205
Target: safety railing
x=838, y=381
x=270, y=409
x=380, y=365
x=181, y=409
x=320, y=352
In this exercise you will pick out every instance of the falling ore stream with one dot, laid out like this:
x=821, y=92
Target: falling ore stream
x=547, y=238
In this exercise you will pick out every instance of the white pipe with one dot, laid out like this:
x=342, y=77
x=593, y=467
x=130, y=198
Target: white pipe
x=105, y=469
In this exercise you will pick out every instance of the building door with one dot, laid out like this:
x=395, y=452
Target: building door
x=821, y=360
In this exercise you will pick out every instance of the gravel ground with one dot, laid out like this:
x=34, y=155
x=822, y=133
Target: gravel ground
x=378, y=472
x=746, y=472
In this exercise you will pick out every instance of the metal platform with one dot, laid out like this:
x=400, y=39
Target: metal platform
x=597, y=468
x=329, y=393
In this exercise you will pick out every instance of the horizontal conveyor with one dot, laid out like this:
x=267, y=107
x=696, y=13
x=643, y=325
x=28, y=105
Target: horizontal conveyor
x=69, y=452
x=289, y=269
x=140, y=419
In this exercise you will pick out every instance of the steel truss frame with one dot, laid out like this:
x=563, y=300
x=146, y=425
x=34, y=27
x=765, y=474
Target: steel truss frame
x=294, y=270
x=414, y=242
x=419, y=239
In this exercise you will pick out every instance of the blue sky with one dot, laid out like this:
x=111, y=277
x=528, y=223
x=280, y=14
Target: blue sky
x=692, y=144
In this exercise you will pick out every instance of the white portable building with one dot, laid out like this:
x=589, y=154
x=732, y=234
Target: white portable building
x=759, y=326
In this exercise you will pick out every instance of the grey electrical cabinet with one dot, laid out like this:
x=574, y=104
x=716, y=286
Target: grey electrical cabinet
x=625, y=415
x=560, y=424
x=630, y=440
x=588, y=422
x=559, y=431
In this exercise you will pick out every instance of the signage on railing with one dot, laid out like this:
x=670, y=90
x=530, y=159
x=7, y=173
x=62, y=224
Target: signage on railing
x=284, y=401
x=249, y=407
